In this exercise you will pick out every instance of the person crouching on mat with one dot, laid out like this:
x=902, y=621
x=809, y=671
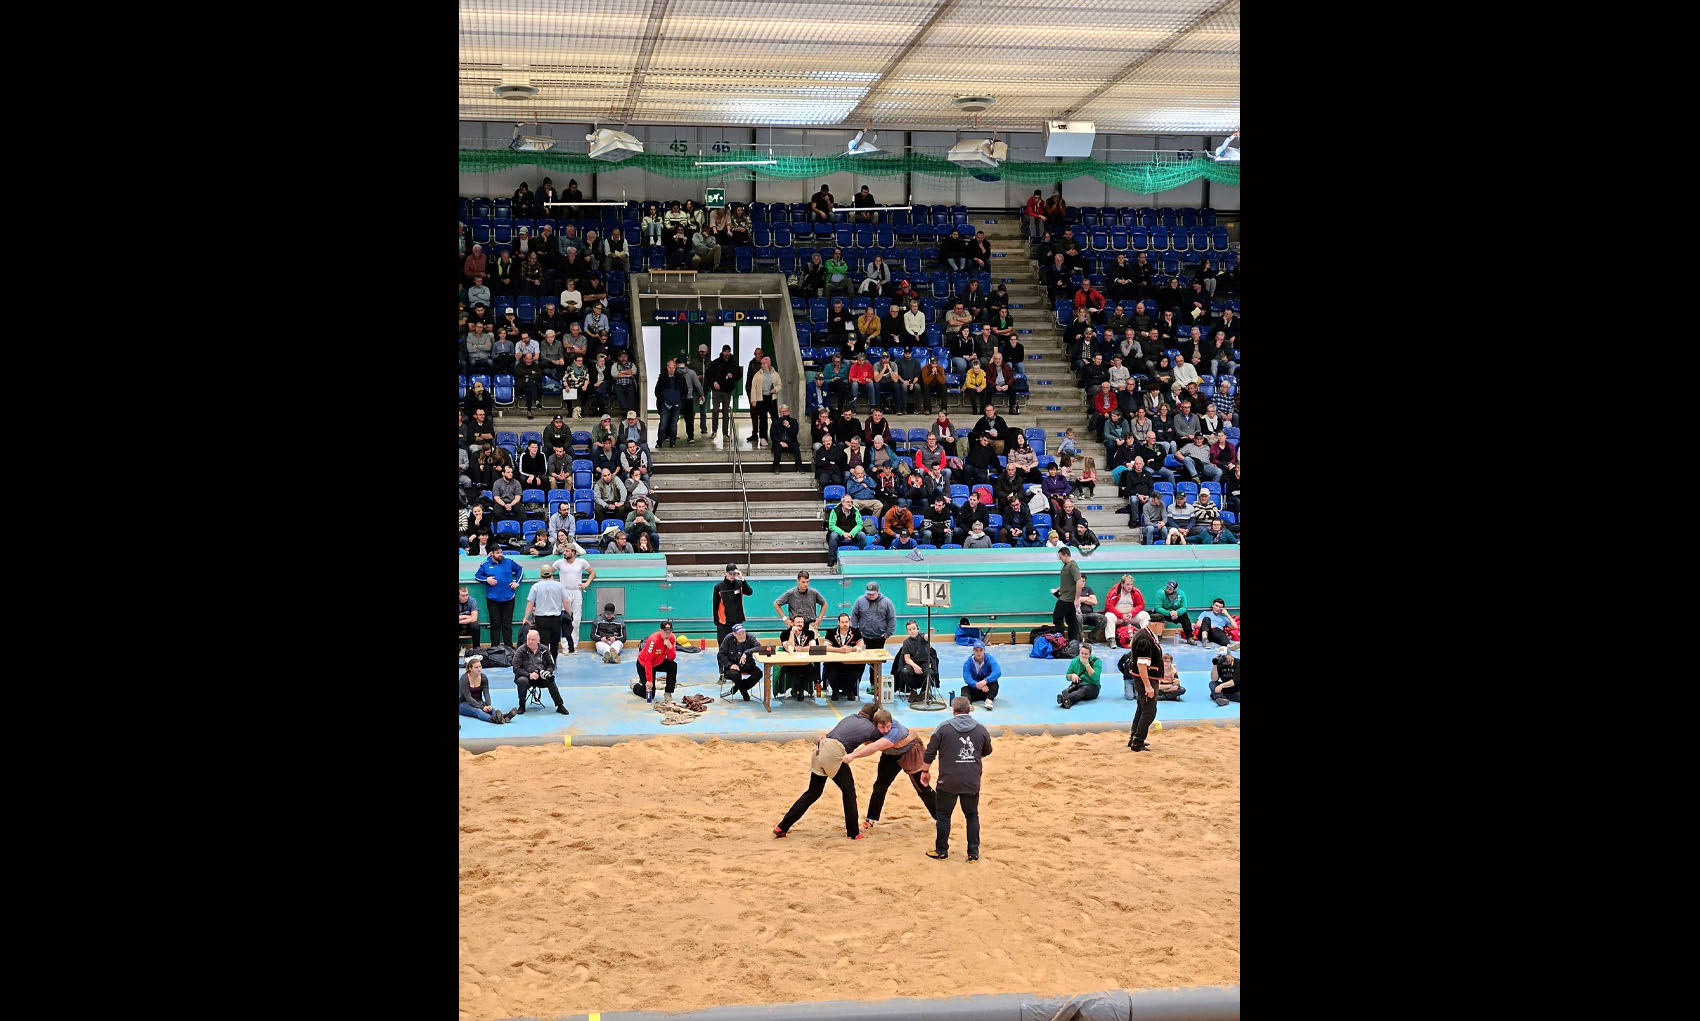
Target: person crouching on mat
x=844, y=677
x=657, y=654
x=804, y=678
x=853, y=737
x=907, y=755
x=738, y=660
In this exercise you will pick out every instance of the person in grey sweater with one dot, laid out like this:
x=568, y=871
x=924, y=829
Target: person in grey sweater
x=977, y=538
x=692, y=395
x=609, y=493
x=875, y=617
x=507, y=492
x=1152, y=514
x=964, y=744
x=1194, y=456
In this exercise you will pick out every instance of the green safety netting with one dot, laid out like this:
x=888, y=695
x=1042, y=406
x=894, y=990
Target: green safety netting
x=1143, y=178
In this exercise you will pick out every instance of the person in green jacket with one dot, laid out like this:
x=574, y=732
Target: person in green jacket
x=837, y=274
x=1170, y=608
x=1085, y=674
x=844, y=528
x=836, y=378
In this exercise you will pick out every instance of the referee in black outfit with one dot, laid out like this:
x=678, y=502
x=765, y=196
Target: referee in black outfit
x=1146, y=662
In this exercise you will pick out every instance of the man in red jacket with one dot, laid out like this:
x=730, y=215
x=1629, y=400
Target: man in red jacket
x=1103, y=402
x=1123, y=603
x=1089, y=297
x=657, y=654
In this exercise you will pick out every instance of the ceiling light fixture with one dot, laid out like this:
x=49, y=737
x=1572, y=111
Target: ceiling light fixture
x=611, y=146
x=530, y=143
x=979, y=152
x=858, y=147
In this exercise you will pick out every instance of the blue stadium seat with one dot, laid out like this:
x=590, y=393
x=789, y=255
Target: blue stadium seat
x=951, y=545
x=532, y=527
x=1000, y=545
x=584, y=509
x=556, y=496
x=531, y=496
x=507, y=527
x=581, y=480
x=958, y=494
x=833, y=493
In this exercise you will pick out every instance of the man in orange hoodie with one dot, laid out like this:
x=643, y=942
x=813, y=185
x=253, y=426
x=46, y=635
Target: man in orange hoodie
x=898, y=521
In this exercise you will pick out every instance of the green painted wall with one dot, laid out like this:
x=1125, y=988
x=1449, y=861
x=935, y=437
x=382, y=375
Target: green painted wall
x=1012, y=584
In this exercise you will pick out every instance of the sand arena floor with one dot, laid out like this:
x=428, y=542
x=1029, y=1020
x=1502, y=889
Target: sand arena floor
x=646, y=876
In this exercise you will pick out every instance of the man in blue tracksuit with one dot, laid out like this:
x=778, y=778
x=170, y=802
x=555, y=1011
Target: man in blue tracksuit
x=980, y=674
x=500, y=576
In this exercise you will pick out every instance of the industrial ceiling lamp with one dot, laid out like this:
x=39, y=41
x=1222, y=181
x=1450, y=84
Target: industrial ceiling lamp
x=859, y=147
x=531, y=143
x=612, y=146
x=979, y=152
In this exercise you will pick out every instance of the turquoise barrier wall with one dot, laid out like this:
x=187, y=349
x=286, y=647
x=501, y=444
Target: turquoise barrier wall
x=1012, y=583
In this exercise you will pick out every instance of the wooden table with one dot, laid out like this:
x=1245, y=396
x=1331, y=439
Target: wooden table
x=874, y=658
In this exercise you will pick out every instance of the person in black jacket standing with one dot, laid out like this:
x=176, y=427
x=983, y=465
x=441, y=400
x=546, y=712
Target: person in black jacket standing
x=722, y=383
x=963, y=744
x=783, y=438
x=1140, y=668
x=729, y=601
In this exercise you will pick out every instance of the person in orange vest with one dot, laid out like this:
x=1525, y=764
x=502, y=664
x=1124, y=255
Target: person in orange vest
x=657, y=654
x=729, y=601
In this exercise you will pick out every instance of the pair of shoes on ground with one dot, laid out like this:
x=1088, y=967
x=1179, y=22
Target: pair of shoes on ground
x=941, y=857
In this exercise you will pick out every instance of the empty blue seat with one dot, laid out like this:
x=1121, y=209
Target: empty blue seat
x=951, y=545
x=958, y=493
x=507, y=527
x=584, y=508
x=531, y=496
x=581, y=479
x=532, y=527
x=1000, y=545
x=585, y=526
x=833, y=493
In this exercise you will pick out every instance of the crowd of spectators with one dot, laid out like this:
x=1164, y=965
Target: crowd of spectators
x=1154, y=344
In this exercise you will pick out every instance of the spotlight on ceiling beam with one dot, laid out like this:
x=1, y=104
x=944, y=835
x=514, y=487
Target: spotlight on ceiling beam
x=610, y=145
x=858, y=147
x=980, y=152
x=530, y=143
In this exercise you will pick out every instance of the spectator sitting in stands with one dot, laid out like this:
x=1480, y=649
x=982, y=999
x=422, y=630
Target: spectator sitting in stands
x=638, y=484
x=957, y=317
x=862, y=379
x=604, y=455
x=644, y=544
x=609, y=494
x=616, y=255
x=868, y=325
x=634, y=428
x=847, y=426
x=576, y=380
x=478, y=355
x=917, y=492
x=915, y=325
x=706, y=250
x=933, y=384
x=1127, y=398
x=1068, y=450
x=974, y=384
x=977, y=537
x=1056, y=488
x=854, y=453
x=844, y=527
x=877, y=279
x=1008, y=483
x=527, y=344
x=1032, y=214
x=828, y=463
x=1092, y=372
x=476, y=264
x=1088, y=297
x=478, y=523
x=1022, y=458
x=980, y=464
x=812, y=282
x=1085, y=479
x=835, y=380
x=633, y=456
x=971, y=514
x=1168, y=328
x=1178, y=520
x=1217, y=534
x=1059, y=282
x=898, y=521
x=1001, y=374
x=507, y=491
x=879, y=456
x=479, y=292
x=886, y=489
x=741, y=227
x=819, y=427
x=560, y=522
x=653, y=223
x=860, y=488
x=504, y=273
x=979, y=250
x=1195, y=459
x=1116, y=429
x=953, y=252
x=820, y=206
x=502, y=352
x=618, y=543
x=937, y=525
x=643, y=522
x=532, y=466
x=837, y=273
x=930, y=460
x=1016, y=521
x=680, y=250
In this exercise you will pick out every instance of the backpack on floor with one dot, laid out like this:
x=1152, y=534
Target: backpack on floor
x=1041, y=648
x=498, y=656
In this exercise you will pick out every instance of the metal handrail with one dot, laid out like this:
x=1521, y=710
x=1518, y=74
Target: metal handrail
x=743, y=500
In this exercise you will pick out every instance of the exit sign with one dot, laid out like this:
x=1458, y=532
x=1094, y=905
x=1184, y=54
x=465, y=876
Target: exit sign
x=715, y=198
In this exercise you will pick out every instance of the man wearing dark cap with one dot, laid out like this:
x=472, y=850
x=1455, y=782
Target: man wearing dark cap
x=729, y=601
x=737, y=660
x=556, y=434
x=875, y=618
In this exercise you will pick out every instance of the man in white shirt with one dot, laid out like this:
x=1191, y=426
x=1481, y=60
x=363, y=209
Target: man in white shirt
x=576, y=574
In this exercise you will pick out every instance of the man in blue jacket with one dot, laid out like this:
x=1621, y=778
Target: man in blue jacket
x=980, y=674
x=502, y=576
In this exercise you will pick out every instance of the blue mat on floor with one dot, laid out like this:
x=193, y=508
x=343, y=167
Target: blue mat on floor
x=601, y=702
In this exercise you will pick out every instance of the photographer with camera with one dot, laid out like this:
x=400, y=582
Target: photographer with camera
x=534, y=667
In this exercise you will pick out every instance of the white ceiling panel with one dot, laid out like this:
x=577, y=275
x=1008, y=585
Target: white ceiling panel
x=1141, y=65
